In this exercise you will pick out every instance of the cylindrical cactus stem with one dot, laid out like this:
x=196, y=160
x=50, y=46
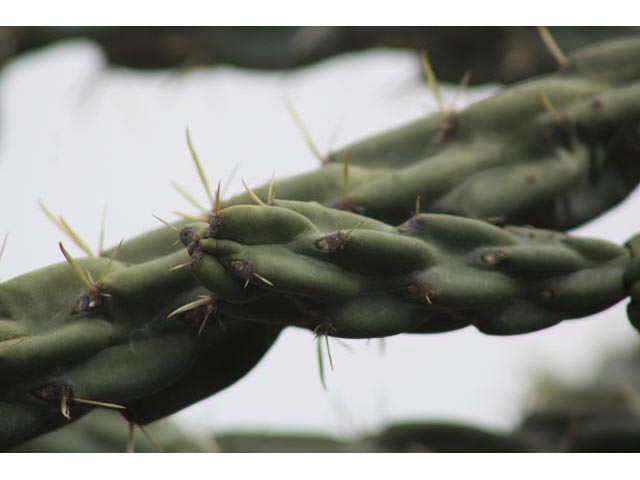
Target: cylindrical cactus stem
x=553, y=152
x=432, y=273
x=69, y=344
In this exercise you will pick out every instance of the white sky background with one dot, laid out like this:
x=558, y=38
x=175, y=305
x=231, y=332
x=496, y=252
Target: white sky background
x=81, y=137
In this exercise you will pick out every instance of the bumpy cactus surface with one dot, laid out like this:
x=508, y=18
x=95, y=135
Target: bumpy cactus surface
x=153, y=327
x=299, y=263
x=603, y=415
x=65, y=346
x=554, y=153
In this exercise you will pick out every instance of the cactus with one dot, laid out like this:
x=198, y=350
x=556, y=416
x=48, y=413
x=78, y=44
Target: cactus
x=351, y=276
x=68, y=345
x=105, y=432
x=553, y=153
x=148, y=336
x=516, y=52
x=601, y=415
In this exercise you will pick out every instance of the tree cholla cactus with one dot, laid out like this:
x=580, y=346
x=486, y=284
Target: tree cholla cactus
x=155, y=325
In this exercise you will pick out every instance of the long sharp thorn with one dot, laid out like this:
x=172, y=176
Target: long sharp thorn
x=188, y=197
x=190, y=306
x=4, y=244
x=417, y=205
x=179, y=267
x=187, y=216
x=229, y=180
x=112, y=258
x=196, y=160
x=73, y=235
x=131, y=438
x=253, y=195
x=172, y=227
x=263, y=279
x=326, y=339
x=49, y=214
x=305, y=133
x=549, y=42
x=66, y=229
x=155, y=444
x=332, y=139
x=344, y=345
x=461, y=89
x=428, y=298
x=321, y=363
x=204, y=321
x=433, y=81
x=86, y=401
x=74, y=265
x=552, y=111
x=103, y=222
x=270, y=194
x=217, y=206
